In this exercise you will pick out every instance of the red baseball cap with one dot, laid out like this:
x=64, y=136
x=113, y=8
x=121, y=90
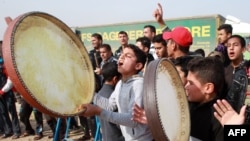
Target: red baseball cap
x=180, y=35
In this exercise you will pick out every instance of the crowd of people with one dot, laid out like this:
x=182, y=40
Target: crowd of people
x=215, y=84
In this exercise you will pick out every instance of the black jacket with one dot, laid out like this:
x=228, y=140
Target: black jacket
x=237, y=83
x=204, y=125
x=96, y=60
x=118, y=52
x=150, y=58
x=3, y=77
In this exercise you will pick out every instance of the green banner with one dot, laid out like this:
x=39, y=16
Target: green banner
x=203, y=30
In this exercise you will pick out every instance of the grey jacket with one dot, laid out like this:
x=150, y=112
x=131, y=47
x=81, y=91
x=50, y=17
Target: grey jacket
x=123, y=98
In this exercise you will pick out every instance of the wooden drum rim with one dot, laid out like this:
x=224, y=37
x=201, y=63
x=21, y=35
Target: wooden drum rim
x=11, y=66
x=151, y=105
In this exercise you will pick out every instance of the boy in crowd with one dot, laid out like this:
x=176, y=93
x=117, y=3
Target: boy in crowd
x=181, y=66
x=235, y=73
x=129, y=90
x=160, y=46
x=110, y=131
x=205, y=80
x=144, y=44
x=95, y=58
x=201, y=92
x=235, y=49
x=179, y=41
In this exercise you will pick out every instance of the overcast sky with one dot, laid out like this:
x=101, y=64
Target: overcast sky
x=97, y=12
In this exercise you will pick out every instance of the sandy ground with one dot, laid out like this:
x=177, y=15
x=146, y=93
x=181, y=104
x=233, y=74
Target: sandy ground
x=73, y=135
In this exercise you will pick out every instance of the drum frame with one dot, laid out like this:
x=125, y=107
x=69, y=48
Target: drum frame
x=150, y=101
x=11, y=66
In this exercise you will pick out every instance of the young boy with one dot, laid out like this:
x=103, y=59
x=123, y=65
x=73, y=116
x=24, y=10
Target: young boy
x=110, y=131
x=181, y=66
x=235, y=72
x=129, y=90
x=204, y=81
x=160, y=46
x=180, y=63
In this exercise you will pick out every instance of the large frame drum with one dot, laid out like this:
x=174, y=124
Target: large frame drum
x=48, y=64
x=165, y=102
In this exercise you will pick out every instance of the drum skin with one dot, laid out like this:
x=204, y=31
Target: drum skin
x=165, y=102
x=48, y=64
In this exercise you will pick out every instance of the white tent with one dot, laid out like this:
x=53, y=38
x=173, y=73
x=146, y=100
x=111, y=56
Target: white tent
x=239, y=27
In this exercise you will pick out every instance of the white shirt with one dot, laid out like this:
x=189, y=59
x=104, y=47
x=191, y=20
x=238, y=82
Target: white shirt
x=152, y=51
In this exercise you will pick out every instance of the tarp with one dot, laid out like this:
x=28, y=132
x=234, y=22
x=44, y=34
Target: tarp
x=239, y=27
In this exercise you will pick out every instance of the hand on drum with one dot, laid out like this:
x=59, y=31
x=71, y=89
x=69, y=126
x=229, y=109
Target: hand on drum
x=139, y=115
x=227, y=115
x=89, y=110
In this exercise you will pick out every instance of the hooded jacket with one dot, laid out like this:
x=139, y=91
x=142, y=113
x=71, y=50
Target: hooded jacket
x=126, y=93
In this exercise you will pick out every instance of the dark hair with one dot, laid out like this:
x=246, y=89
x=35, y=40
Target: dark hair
x=106, y=46
x=123, y=32
x=217, y=54
x=139, y=54
x=183, y=49
x=159, y=39
x=144, y=41
x=208, y=70
x=183, y=62
x=242, y=40
x=200, y=51
x=109, y=70
x=97, y=36
x=152, y=28
x=227, y=27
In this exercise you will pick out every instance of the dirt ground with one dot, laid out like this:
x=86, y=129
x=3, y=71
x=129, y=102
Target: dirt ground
x=73, y=135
